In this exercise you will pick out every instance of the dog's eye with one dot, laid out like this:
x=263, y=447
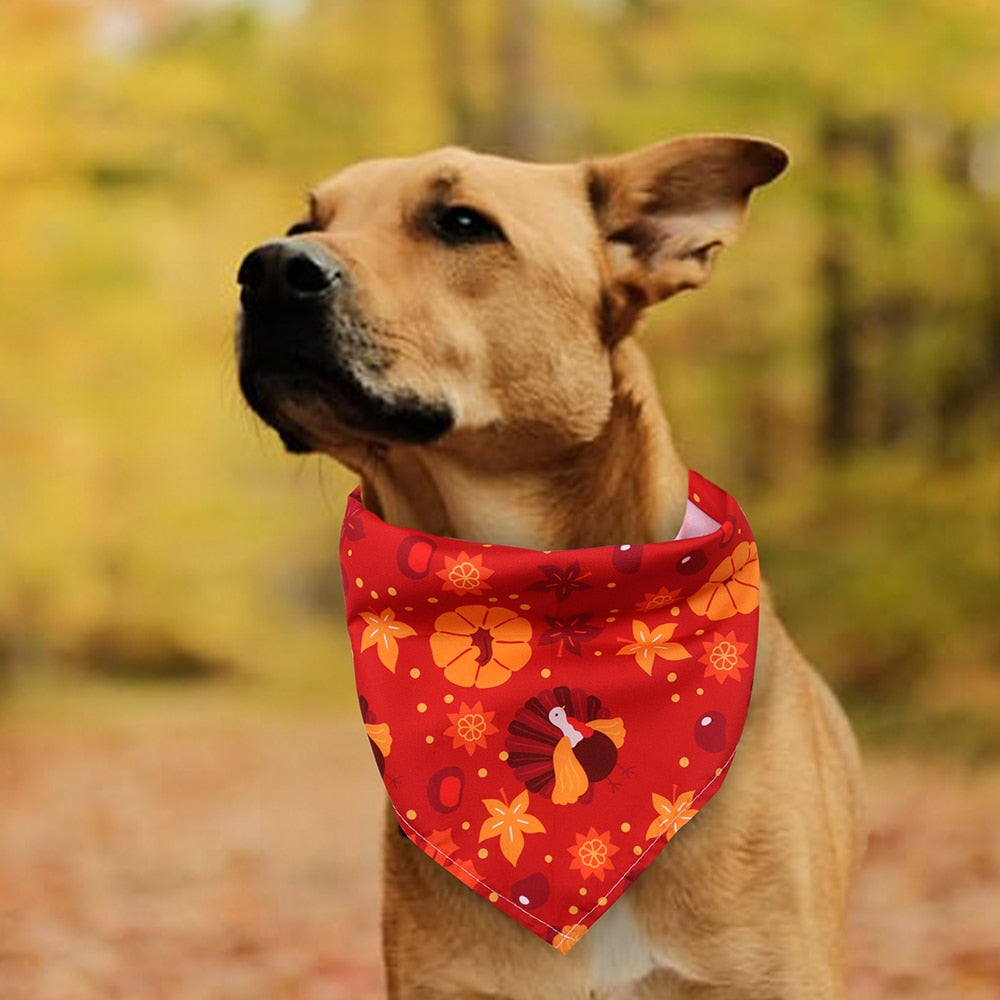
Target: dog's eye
x=457, y=224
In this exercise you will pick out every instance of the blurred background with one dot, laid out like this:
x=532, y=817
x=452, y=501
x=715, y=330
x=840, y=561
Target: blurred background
x=167, y=573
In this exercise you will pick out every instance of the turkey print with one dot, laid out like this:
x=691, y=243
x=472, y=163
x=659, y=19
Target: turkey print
x=559, y=754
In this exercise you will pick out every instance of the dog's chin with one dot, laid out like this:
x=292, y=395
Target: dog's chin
x=334, y=414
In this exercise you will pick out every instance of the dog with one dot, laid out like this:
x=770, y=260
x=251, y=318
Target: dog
x=455, y=328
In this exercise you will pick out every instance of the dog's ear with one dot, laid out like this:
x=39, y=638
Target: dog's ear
x=665, y=211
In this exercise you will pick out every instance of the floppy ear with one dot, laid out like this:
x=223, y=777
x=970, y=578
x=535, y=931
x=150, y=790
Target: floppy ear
x=664, y=212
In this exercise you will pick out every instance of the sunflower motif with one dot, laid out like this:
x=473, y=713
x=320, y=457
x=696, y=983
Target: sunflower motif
x=465, y=575
x=470, y=726
x=722, y=657
x=592, y=854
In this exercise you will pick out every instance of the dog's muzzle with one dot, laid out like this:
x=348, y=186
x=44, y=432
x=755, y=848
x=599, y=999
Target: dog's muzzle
x=309, y=360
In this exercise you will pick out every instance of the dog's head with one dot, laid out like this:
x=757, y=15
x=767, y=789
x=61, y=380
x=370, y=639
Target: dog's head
x=433, y=299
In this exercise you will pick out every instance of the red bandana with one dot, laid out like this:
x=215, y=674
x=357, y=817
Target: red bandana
x=545, y=722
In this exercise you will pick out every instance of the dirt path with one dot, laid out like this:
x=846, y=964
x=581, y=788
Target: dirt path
x=236, y=860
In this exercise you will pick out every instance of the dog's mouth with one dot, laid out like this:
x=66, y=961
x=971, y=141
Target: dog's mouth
x=321, y=410
x=310, y=367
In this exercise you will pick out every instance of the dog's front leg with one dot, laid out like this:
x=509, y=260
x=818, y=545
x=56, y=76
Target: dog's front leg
x=443, y=942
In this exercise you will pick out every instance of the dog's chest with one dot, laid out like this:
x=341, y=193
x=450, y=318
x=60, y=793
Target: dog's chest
x=620, y=956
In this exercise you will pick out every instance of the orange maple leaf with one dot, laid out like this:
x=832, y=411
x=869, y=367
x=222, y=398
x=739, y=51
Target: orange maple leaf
x=651, y=643
x=671, y=815
x=509, y=821
x=385, y=631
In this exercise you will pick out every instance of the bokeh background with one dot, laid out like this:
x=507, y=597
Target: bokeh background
x=173, y=664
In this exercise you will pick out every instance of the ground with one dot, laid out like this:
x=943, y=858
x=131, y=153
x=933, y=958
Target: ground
x=232, y=855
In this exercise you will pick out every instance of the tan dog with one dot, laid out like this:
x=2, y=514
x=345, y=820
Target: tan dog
x=453, y=327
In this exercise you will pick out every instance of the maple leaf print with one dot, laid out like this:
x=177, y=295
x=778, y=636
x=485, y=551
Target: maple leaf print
x=561, y=581
x=509, y=821
x=722, y=657
x=384, y=631
x=670, y=815
x=569, y=633
x=651, y=643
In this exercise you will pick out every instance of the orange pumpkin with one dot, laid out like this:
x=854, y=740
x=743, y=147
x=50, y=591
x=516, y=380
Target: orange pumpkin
x=733, y=588
x=480, y=646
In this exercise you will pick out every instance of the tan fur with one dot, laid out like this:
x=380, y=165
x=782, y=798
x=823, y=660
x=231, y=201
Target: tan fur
x=559, y=441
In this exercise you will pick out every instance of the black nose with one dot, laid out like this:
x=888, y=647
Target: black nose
x=287, y=270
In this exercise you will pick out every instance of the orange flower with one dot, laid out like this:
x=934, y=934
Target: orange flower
x=509, y=821
x=470, y=726
x=465, y=575
x=651, y=643
x=385, y=631
x=671, y=816
x=660, y=599
x=568, y=937
x=480, y=646
x=592, y=854
x=733, y=588
x=722, y=656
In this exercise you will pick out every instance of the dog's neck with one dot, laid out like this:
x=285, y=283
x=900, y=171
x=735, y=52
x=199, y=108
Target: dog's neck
x=626, y=486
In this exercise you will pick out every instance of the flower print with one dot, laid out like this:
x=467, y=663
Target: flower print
x=561, y=581
x=465, y=575
x=733, y=588
x=470, y=726
x=722, y=657
x=384, y=631
x=569, y=936
x=480, y=646
x=510, y=821
x=569, y=633
x=653, y=602
x=671, y=815
x=592, y=854
x=651, y=643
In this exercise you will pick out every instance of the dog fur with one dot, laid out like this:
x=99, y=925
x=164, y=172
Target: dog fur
x=455, y=328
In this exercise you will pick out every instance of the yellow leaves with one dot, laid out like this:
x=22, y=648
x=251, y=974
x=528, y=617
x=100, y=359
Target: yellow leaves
x=670, y=815
x=384, y=631
x=510, y=821
x=651, y=643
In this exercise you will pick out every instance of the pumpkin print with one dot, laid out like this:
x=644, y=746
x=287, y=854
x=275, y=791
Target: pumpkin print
x=480, y=646
x=733, y=588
